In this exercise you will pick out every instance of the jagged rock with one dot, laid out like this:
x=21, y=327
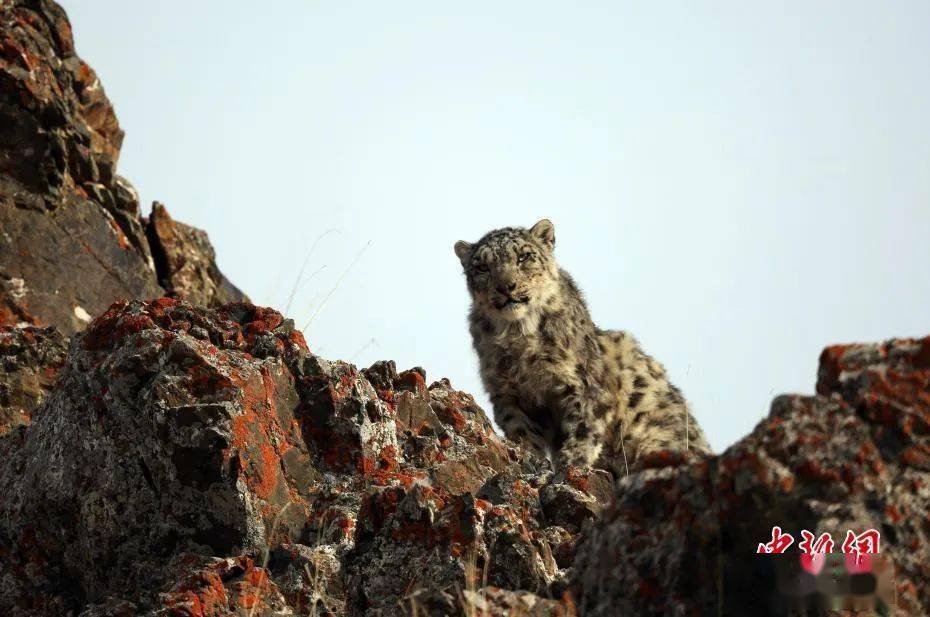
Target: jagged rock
x=158, y=442
x=311, y=578
x=30, y=358
x=205, y=586
x=579, y=499
x=186, y=262
x=198, y=461
x=681, y=539
x=71, y=237
x=177, y=431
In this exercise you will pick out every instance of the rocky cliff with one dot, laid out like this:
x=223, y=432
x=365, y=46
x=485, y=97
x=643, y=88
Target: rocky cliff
x=72, y=240
x=186, y=453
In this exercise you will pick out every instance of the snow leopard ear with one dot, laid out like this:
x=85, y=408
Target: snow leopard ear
x=462, y=250
x=544, y=231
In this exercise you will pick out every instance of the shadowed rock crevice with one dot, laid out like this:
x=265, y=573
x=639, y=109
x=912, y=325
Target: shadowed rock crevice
x=185, y=262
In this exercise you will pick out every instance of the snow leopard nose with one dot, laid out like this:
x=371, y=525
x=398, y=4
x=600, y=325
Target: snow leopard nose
x=506, y=288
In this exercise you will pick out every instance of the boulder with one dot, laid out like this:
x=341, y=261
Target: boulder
x=190, y=455
x=682, y=539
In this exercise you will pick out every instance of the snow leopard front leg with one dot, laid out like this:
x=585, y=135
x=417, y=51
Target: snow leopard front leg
x=583, y=429
x=518, y=427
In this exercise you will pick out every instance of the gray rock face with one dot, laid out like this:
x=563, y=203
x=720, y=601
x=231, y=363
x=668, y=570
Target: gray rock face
x=114, y=429
x=204, y=461
x=30, y=359
x=70, y=237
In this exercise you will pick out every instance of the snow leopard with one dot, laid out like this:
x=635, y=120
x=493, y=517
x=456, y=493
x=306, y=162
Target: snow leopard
x=559, y=385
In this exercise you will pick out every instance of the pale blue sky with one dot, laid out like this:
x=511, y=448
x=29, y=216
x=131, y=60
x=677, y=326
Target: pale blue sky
x=738, y=184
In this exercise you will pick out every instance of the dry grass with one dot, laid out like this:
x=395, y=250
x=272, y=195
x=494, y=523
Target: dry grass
x=319, y=592
x=263, y=577
x=474, y=586
x=321, y=595
x=362, y=349
x=413, y=605
x=303, y=267
x=335, y=286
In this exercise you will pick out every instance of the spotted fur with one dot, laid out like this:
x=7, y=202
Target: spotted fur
x=559, y=384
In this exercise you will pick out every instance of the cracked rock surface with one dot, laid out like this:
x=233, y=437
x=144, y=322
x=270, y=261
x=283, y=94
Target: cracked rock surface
x=30, y=359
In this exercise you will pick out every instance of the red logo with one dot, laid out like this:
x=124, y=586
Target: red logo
x=823, y=544
x=866, y=543
x=813, y=562
x=813, y=548
x=779, y=543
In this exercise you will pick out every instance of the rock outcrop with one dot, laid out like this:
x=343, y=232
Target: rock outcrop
x=186, y=263
x=186, y=449
x=681, y=540
x=195, y=461
x=71, y=237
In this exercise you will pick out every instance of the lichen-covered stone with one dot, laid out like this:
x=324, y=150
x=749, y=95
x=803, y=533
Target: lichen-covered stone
x=30, y=359
x=158, y=442
x=205, y=586
x=202, y=461
x=177, y=430
x=496, y=601
x=70, y=242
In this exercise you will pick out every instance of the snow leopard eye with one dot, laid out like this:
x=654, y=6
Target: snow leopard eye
x=482, y=268
x=524, y=257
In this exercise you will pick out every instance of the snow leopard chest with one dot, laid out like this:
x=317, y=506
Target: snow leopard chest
x=535, y=369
